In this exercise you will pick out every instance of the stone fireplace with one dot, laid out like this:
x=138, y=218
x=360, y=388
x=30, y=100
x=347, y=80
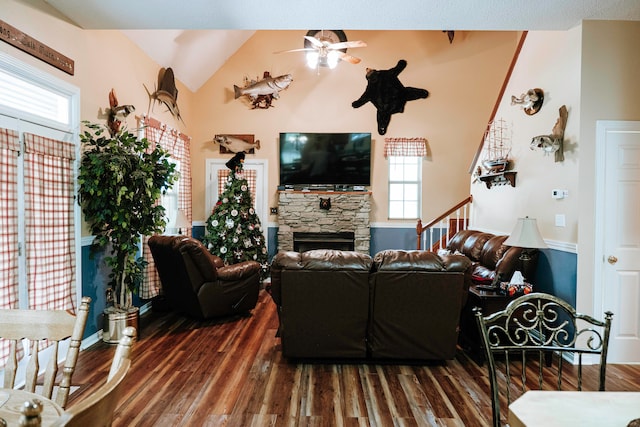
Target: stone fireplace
x=299, y=212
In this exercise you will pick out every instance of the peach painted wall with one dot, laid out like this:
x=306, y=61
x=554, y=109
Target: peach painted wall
x=463, y=79
x=592, y=69
x=103, y=60
x=549, y=60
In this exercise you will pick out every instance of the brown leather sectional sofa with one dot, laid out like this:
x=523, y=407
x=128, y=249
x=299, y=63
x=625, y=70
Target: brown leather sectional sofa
x=491, y=259
x=347, y=305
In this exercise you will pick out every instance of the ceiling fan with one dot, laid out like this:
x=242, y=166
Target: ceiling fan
x=325, y=48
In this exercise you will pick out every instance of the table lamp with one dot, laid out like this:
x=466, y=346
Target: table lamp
x=526, y=236
x=182, y=222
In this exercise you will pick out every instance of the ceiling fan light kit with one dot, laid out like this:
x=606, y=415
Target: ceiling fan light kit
x=315, y=59
x=325, y=48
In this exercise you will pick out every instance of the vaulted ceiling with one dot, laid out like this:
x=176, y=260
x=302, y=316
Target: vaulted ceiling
x=196, y=37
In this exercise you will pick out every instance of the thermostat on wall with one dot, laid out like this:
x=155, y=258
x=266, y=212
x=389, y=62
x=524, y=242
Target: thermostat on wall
x=559, y=194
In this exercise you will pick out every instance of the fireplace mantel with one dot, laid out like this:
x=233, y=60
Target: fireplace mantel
x=299, y=211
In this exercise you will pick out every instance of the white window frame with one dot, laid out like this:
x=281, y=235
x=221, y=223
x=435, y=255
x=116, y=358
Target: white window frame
x=28, y=121
x=47, y=82
x=169, y=201
x=261, y=202
x=396, y=198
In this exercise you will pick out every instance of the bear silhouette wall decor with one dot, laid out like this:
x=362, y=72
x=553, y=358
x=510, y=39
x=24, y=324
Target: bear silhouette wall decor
x=386, y=92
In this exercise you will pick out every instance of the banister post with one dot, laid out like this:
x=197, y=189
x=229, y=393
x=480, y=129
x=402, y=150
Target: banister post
x=419, y=232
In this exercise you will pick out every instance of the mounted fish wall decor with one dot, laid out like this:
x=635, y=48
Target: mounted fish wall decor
x=261, y=93
x=165, y=93
x=237, y=143
x=553, y=143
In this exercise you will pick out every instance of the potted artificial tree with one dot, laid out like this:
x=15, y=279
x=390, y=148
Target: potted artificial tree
x=120, y=181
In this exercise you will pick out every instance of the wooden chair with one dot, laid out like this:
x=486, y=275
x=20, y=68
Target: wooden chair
x=36, y=325
x=528, y=335
x=97, y=409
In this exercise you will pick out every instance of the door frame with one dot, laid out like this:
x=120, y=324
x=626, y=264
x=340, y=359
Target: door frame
x=602, y=128
x=211, y=187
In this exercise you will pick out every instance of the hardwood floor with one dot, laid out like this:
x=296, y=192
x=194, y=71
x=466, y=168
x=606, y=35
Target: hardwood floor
x=231, y=372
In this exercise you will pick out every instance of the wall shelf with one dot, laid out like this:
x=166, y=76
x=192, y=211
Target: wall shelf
x=500, y=178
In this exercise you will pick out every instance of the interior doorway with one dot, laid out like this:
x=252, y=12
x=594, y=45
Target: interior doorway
x=260, y=196
x=617, y=271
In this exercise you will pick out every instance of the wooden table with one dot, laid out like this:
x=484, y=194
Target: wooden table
x=574, y=408
x=11, y=402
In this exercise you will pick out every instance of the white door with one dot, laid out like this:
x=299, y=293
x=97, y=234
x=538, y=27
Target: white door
x=260, y=202
x=618, y=154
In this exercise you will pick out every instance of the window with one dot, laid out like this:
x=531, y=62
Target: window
x=169, y=201
x=39, y=239
x=176, y=200
x=405, y=184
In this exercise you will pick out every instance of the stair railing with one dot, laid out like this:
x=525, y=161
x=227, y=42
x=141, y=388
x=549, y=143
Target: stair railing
x=441, y=229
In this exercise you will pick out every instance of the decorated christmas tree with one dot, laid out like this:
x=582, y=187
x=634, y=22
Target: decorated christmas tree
x=233, y=230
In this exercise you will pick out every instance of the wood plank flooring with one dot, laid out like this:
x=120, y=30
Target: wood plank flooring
x=231, y=372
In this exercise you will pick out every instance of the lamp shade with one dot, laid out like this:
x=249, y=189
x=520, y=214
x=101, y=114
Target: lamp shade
x=181, y=220
x=526, y=234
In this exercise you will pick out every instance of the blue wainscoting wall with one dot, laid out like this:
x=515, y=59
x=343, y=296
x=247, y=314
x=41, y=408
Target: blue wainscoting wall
x=94, y=279
x=556, y=274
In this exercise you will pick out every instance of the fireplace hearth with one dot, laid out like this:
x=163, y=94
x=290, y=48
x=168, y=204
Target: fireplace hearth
x=343, y=241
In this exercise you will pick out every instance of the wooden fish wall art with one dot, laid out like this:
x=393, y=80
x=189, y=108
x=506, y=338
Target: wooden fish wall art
x=261, y=93
x=165, y=93
x=236, y=143
x=553, y=143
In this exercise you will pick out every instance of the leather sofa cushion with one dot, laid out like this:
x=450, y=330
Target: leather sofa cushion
x=469, y=243
x=200, y=264
x=324, y=260
x=492, y=251
x=399, y=260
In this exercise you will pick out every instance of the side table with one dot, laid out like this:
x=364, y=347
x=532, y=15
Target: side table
x=469, y=336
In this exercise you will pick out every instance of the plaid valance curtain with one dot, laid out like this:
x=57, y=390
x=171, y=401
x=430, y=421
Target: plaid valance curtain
x=405, y=147
x=178, y=146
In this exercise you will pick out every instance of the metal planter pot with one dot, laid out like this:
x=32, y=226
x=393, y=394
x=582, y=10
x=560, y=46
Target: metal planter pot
x=115, y=321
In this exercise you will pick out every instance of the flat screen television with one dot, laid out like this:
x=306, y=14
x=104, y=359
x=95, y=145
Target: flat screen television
x=308, y=159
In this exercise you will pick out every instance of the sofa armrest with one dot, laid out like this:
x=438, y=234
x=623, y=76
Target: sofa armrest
x=238, y=271
x=456, y=263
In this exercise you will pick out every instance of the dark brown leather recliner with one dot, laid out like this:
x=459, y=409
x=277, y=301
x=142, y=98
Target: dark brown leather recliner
x=416, y=303
x=322, y=298
x=197, y=283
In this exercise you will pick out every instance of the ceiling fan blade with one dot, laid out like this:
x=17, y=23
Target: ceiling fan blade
x=305, y=49
x=349, y=58
x=346, y=45
x=314, y=41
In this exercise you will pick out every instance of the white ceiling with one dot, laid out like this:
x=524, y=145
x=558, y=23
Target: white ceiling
x=175, y=33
